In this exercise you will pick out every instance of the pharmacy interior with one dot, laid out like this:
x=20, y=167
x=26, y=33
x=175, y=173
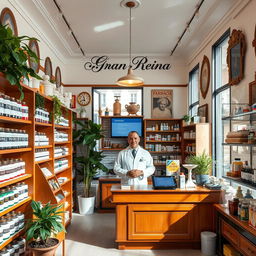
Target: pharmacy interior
x=77, y=78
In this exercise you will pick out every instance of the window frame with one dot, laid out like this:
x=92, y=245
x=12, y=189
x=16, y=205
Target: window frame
x=193, y=104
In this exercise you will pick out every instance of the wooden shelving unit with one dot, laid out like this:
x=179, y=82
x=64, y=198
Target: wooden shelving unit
x=163, y=139
x=38, y=186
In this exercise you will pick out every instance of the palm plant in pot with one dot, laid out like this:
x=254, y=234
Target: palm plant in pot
x=204, y=165
x=90, y=161
x=45, y=223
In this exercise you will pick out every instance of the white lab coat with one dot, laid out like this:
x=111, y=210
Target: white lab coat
x=126, y=162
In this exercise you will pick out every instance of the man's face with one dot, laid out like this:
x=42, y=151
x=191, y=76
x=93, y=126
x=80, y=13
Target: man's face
x=162, y=105
x=133, y=140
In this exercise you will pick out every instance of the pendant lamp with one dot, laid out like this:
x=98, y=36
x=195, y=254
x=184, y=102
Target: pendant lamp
x=130, y=80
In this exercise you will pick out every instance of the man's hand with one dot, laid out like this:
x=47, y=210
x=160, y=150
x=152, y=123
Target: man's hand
x=134, y=173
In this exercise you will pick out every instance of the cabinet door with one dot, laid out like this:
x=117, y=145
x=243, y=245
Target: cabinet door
x=230, y=233
x=106, y=196
x=247, y=247
x=170, y=222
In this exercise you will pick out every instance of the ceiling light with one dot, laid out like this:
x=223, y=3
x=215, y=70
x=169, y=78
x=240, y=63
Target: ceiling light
x=130, y=80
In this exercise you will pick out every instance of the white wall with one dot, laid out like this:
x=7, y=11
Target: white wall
x=243, y=20
x=27, y=27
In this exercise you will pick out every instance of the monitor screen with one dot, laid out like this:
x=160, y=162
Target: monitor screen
x=121, y=126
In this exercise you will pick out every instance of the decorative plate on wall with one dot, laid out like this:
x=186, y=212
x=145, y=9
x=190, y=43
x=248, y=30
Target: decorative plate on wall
x=205, y=76
x=33, y=45
x=7, y=18
x=254, y=41
x=58, y=77
x=84, y=98
x=48, y=67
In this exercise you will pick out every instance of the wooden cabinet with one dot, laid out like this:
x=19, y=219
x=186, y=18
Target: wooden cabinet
x=235, y=232
x=197, y=139
x=40, y=186
x=163, y=139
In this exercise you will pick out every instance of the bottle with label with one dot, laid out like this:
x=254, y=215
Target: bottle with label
x=237, y=166
x=239, y=193
x=182, y=180
x=248, y=194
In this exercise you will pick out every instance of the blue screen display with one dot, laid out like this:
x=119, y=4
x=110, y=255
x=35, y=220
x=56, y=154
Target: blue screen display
x=120, y=127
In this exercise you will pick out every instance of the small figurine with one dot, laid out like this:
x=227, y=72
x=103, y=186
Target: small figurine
x=107, y=112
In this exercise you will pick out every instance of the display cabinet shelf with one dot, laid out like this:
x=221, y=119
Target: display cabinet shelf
x=59, y=157
x=189, y=139
x=165, y=152
x=56, y=190
x=61, y=127
x=64, y=183
x=60, y=171
x=245, y=114
x=239, y=144
x=40, y=147
x=43, y=161
x=61, y=142
x=18, y=234
x=16, y=150
x=112, y=149
x=163, y=141
x=12, y=181
x=171, y=131
x=15, y=206
x=43, y=124
x=5, y=119
x=239, y=181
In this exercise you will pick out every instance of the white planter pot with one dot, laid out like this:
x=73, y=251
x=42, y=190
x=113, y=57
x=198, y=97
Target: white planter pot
x=35, y=83
x=48, y=90
x=86, y=205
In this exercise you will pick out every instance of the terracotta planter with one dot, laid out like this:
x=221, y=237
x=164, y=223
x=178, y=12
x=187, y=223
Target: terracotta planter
x=133, y=108
x=50, y=251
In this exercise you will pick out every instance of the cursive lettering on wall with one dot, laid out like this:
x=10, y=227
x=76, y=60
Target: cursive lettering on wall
x=98, y=63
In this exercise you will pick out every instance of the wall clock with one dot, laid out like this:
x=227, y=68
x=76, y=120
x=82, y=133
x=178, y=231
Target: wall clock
x=33, y=46
x=7, y=18
x=84, y=98
x=205, y=76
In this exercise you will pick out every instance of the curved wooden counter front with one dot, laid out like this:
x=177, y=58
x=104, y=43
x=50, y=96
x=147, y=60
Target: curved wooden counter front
x=161, y=219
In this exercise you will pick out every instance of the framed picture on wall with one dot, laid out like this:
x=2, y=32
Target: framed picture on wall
x=161, y=104
x=202, y=111
x=58, y=77
x=33, y=46
x=235, y=56
x=205, y=76
x=7, y=18
x=252, y=92
x=48, y=67
x=73, y=102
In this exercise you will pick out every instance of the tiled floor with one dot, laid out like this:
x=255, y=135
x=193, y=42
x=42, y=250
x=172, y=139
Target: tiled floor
x=94, y=235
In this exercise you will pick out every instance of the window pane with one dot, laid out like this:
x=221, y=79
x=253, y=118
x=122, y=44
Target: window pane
x=193, y=87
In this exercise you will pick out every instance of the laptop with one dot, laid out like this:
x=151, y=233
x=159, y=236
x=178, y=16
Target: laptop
x=164, y=182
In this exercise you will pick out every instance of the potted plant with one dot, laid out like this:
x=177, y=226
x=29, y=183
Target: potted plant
x=187, y=119
x=14, y=55
x=57, y=113
x=89, y=163
x=204, y=165
x=45, y=223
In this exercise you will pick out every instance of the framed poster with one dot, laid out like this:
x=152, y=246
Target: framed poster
x=205, y=76
x=161, y=104
x=58, y=77
x=33, y=46
x=235, y=56
x=73, y=102
x=48, y=67
x=7, y=18
x=202, y=111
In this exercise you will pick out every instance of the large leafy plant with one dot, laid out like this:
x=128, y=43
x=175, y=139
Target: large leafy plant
x=46, y=221
x=90, y=162
x=14, y=55
x=203, y=162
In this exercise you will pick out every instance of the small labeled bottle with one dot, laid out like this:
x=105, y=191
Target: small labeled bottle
x=182, y=180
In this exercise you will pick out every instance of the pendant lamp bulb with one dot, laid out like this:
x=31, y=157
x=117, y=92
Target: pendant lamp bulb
x=130, y=80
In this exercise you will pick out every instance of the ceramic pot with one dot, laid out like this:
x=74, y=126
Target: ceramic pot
x=202, y=179
x=86, y=205
x=50, y=251
x=83, y=114
x=117, y=108
x=35, y=83
x=133, y=108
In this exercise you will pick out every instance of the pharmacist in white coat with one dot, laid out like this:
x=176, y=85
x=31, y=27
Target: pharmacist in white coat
x=134, y=164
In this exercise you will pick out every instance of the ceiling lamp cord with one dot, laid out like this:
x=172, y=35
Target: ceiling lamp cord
x=66, y=22
x=130, y=48
x=188, y=26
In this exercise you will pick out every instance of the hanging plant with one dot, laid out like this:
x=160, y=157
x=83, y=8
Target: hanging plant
x=40, y=102
x=14, y=55
x=57, y=113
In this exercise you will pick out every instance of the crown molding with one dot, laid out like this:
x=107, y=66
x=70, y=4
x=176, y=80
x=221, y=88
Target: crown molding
x=231, y=14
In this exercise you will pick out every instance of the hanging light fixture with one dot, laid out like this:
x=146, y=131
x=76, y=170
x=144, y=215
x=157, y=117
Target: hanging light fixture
x=130, y=80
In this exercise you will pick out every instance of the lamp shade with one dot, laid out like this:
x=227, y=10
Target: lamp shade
x=130, y=80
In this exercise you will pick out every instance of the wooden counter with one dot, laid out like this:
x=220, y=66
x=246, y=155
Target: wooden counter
x=161, y=219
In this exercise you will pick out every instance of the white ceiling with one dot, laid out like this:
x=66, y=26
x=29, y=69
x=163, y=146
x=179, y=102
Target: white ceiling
x=156, y=25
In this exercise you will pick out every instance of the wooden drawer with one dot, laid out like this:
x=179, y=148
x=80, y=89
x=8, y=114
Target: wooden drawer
x=106, y=196
x=247, y=247
x=230, y=233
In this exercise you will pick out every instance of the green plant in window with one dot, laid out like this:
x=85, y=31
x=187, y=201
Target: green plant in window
x=14, y=55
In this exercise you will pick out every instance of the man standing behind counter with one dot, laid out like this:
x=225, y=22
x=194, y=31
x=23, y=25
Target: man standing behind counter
x=134, y=164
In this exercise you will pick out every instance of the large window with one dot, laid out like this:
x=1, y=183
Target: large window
x=220, y=103
x=104, y=98
x=193, y=92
